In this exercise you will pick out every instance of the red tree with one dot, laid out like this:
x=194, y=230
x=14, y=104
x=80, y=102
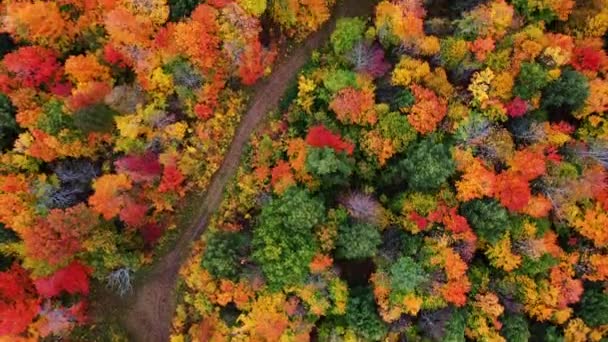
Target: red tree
x=588, y=58
x=319, y=136
x=517, y=107
x=140, y=168
x=134, y=214
x=172, y=179
x=32, y=65
x=253, y=61
x=72, y=279
x=512, y=191
x=18, y=301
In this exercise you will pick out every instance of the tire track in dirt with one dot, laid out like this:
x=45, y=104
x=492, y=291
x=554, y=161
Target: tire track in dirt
x=148, y=313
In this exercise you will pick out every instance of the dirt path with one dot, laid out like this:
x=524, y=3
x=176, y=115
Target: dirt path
x=149, y=312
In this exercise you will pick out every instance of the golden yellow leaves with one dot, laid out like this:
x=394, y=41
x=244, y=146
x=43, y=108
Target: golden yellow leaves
x=160, y=84
x=576, y=331
x=267, y=319
x=410, y=70
x=483, y=323
x=480, y=84
x=129, y=126
x=411, y=304
x=255, y=7
x=501, y=256
x=399, y=21
x=306, y=87
x=597, y=101
x=598, y=24
x=156, y=10
x=594, y=226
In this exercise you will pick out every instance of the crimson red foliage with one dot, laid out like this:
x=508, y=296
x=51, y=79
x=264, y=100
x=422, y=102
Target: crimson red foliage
x=419, y=220
x=588, y=58
x=72, y=279
x=140, y=168
x=172, y=179
x=18, y=301
x=63, y=89
x=455, y=222
x=5, y=83
x=319, y=136
x=151, y=233
x=219, y=3
x=113, y=56
x=552, y=154
x=517, y=107
x=134, y=214
x=32, y=65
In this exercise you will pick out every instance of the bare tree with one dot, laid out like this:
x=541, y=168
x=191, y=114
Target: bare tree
x=120, y=281
x=596, y=150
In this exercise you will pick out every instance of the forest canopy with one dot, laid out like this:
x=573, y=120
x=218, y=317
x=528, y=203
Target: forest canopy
x=436, y=171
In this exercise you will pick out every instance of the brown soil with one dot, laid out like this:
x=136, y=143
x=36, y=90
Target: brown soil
x=147, y=314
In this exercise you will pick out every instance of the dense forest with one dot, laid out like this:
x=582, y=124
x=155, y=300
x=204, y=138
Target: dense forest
x=436, y=172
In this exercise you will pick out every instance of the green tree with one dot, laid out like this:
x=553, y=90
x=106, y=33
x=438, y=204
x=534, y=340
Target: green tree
x=223, y=253
x=532, y=78
x=357, y=241
x=328, y=166
x=594, y=308
x=568, y=92
x=6, y=44
x=347, y=33
x=283, y=241
x=426, y=166
x=405, y=98
x=453, y=52
x=395, y=126
x=515, y=328
x=534, y=13
x=338, y=79
x=454, y=329
x=6, y=236
x=179, y=9
x=407, y=276
x=362, y=316
x=9, y=130
x=533, y=266
x=54, y=118
x=489, y=219
x=95, y=118
x=553, y=334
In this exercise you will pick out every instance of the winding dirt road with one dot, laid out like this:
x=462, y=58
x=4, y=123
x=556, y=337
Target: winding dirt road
x=148, y=313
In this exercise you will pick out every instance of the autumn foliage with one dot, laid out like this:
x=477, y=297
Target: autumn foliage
x=458, y=169
x=434, y=174
x=319, y=136
x=111, y=113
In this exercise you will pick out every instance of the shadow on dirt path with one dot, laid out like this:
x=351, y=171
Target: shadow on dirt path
x=148, y=312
